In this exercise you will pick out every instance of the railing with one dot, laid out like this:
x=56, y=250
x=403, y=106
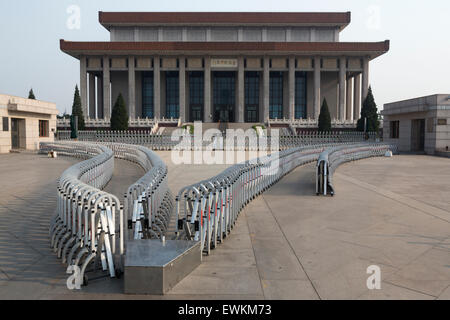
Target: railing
x=106, y=123
x=207, y=211
x=149, y=201
x=313, y=123
x=332, y=158
x=181, y=140
x=84, y=229
x=85, y=220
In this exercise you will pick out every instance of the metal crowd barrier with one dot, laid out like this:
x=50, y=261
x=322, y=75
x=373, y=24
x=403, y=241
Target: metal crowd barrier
x=332, y=158
x=186, y=141
x=148, y=202
x=207, y=211
x=84, y=229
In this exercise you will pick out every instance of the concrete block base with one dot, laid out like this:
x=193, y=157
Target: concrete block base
x=152, y=267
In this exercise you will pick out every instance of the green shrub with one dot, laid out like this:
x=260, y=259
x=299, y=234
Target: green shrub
x=77, y=110
x=119, y=116
x=369, y=110
x=324, y=118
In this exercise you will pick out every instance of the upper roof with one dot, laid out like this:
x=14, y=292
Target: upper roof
x=420, y=104
x=19, y=104
x=337, y=19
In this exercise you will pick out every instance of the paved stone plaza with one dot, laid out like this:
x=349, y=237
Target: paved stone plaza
x=287, y=244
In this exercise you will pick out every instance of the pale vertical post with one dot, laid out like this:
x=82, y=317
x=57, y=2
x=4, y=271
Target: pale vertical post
x=91, y=96
x=365, y=79
x=357, y=98
x=106, y=89
x=349, y=99
x=99, y=98
x=316, y=88
x=291, y=88
x=208, y=113
x=241, y=90
x=342, y=92
x=182, y=91
x=266, y=90
x=131, y=88
x=156, y=88
x=83, y=86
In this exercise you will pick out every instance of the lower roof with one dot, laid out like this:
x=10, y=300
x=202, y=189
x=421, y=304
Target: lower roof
x=369, y=49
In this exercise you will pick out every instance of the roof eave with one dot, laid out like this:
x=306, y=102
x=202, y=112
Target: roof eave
x=101, y=48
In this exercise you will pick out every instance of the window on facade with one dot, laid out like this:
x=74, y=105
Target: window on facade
x=395, y=129
x=43, y=128
x=172, y=95
x=251, y=96
x=5, y=124
x=300, y=95
x=276, y=95
x=196, y=95
x=147, y=95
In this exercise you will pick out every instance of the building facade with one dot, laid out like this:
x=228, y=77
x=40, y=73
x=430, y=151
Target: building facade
x=419, y=125
x=25, y=123
x=224, y=67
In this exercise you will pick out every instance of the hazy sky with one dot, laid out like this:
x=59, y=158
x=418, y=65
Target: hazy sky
x=418, y=63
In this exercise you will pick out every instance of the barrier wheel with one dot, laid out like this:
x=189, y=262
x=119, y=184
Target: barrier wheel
x=85, y=281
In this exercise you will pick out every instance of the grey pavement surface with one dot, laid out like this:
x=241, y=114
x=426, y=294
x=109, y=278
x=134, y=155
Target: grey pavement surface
x=287, y=244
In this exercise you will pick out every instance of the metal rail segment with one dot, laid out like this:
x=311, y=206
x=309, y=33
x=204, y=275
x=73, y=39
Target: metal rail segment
x=89, y=223
x=182, y=139
x=208, y=210
x=332, y=158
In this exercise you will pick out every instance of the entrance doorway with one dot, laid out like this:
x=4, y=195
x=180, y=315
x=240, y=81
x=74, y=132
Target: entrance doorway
x=251, y=97
x=418, y=135
x=196, y=95
x=17, y=133
x=224, y=96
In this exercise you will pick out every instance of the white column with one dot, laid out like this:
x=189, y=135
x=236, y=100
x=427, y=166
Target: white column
x=291, y=88
x=83, y=86
x=156, y=88
x=365, y=79
x=182, y=91
x=106, y=89
x=266, y=90
x=349, y=99
x=241, y=91
x=91, y=96
x=316, y=88
x=208, y=113
x=131, y=88
x=342, y=92
x=357, y=98
x=100, y=98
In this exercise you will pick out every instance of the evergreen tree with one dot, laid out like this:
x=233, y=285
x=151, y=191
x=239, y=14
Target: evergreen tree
x=369, y=110
x=77, y=110
x=31, y=95
x=324, y=118
x=119, y=116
